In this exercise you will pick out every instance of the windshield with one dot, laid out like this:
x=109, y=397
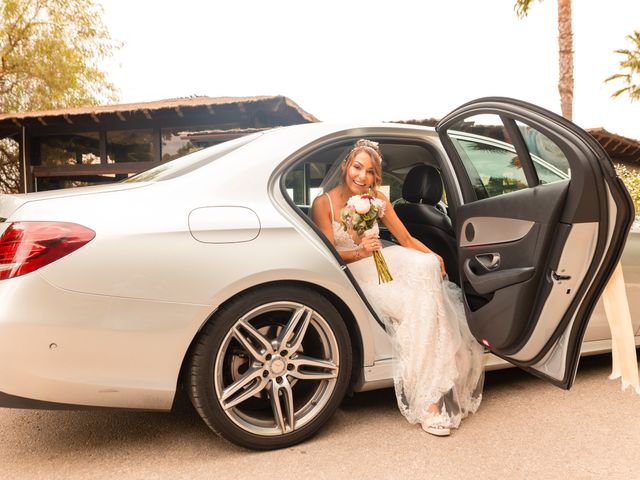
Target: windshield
x=191, y=162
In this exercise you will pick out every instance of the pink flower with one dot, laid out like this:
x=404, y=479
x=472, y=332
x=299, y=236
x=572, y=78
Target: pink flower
x=381, y=208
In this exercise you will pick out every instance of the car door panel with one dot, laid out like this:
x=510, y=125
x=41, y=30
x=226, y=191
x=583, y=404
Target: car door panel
x=532, y=308
x=520, y=232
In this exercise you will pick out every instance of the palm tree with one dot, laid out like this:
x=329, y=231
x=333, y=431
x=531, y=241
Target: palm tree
x=565, y=47
x=631, y=65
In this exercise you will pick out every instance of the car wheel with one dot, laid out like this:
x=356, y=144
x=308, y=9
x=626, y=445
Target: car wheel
x=270, y=367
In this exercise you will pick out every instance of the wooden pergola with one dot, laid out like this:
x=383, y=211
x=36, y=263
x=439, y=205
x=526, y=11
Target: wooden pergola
x=85, y=140
x=621, y=149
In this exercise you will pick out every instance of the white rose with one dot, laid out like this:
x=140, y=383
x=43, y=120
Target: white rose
x=352, y=200
x=362, y=206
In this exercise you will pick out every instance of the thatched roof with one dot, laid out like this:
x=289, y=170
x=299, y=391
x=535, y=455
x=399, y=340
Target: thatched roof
x=272, y=106
x=619, y=148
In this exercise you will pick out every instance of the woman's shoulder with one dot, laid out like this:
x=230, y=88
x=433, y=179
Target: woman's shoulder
x=320, y=201
x=320, y=207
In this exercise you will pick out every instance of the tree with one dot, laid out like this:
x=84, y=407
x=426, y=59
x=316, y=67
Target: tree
x=631, y=66
x=565, y=48
x=50, y=55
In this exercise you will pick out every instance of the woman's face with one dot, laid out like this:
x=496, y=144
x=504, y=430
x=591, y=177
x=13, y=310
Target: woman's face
x=360, y=175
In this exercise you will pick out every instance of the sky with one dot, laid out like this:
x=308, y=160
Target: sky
x=355, y=60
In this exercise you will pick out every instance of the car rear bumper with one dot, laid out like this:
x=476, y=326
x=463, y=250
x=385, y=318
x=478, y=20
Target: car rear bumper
x=69, y=348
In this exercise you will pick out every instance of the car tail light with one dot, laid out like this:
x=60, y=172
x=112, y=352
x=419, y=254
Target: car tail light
x=28, y=246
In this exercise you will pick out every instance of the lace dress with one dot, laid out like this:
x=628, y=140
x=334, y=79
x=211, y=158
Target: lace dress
x=437, y=359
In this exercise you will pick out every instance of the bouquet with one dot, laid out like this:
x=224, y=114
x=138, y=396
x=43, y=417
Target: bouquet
x=361, y=215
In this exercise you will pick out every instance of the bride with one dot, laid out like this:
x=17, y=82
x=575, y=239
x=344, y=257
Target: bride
x=439, y=373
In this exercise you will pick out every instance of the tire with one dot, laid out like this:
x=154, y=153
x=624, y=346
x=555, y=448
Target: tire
x=287, y=343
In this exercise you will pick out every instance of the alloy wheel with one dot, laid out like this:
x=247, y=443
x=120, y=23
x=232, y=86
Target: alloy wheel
x=276, y=368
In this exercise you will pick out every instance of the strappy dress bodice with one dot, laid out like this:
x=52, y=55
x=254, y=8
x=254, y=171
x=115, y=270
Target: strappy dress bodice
x=343, y=240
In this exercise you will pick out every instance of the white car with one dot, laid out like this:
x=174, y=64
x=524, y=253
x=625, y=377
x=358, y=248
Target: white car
x=207, y=270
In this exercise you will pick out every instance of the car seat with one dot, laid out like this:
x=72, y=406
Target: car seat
x=422, y=189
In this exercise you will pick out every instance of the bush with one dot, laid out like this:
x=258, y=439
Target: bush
x=631, y=179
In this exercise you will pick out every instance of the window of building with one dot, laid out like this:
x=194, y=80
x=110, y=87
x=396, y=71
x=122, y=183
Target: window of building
x=129, y=146
x=175, y=145
x=71, y=149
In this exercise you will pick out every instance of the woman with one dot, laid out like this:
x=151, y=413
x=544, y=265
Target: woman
x=439, y=374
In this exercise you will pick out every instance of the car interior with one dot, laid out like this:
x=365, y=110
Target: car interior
x=411, y=180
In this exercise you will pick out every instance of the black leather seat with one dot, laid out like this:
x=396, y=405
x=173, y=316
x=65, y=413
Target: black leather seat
x=422, y=189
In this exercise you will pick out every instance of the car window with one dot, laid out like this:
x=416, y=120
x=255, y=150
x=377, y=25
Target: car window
x=493, y=169
x=488, y=155
x=191, y=162
x=304, y=182
x=491, y=159
x=550, y=162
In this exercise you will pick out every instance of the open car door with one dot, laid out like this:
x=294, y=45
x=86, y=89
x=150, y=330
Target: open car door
x=543, y=225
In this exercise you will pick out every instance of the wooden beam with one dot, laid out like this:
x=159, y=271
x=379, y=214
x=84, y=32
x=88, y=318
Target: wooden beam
x=68, y=119
x=103, y=146
x=179, y=112
x=628, y=147
x=121, y=116
x=147, y=113
x=95, y=118
x=41, y=120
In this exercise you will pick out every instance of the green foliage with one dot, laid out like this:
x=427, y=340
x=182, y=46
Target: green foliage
x=50, y=53
x=630, y=67
x=631, y=179
x=9, y=172
x=522, y=7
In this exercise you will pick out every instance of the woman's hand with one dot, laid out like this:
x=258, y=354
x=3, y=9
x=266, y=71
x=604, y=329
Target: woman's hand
x=370, y=243
x=443, y=272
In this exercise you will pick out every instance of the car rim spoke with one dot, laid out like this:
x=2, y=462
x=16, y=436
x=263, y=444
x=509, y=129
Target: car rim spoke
x=287, y=395
x=248, y=344
x=302, y=363
x=293, y=334
x=250, y=384
x=274, y=394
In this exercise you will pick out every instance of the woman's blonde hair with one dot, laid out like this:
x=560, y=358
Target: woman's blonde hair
x=372, y=148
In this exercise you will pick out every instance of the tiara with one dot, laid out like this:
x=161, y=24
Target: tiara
x=364, y=143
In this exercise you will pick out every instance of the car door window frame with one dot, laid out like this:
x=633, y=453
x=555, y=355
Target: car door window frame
x=521, y=150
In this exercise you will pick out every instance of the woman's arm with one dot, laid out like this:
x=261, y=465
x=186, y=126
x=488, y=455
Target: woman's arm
x=321, y=216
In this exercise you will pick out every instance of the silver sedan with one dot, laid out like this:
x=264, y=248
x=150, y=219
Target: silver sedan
x=207, y=271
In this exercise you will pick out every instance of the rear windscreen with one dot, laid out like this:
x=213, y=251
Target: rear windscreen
x=191, y=162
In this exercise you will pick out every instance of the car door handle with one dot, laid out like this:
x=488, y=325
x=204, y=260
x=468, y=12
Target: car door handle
x=490, y=261
x=493, y=281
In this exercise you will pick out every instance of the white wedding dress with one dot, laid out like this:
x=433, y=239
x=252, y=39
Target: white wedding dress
x=437, y=359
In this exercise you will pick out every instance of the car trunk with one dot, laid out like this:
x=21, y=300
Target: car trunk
x=9, y=204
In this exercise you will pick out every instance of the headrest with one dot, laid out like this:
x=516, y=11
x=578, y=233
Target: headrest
x=422, y=185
